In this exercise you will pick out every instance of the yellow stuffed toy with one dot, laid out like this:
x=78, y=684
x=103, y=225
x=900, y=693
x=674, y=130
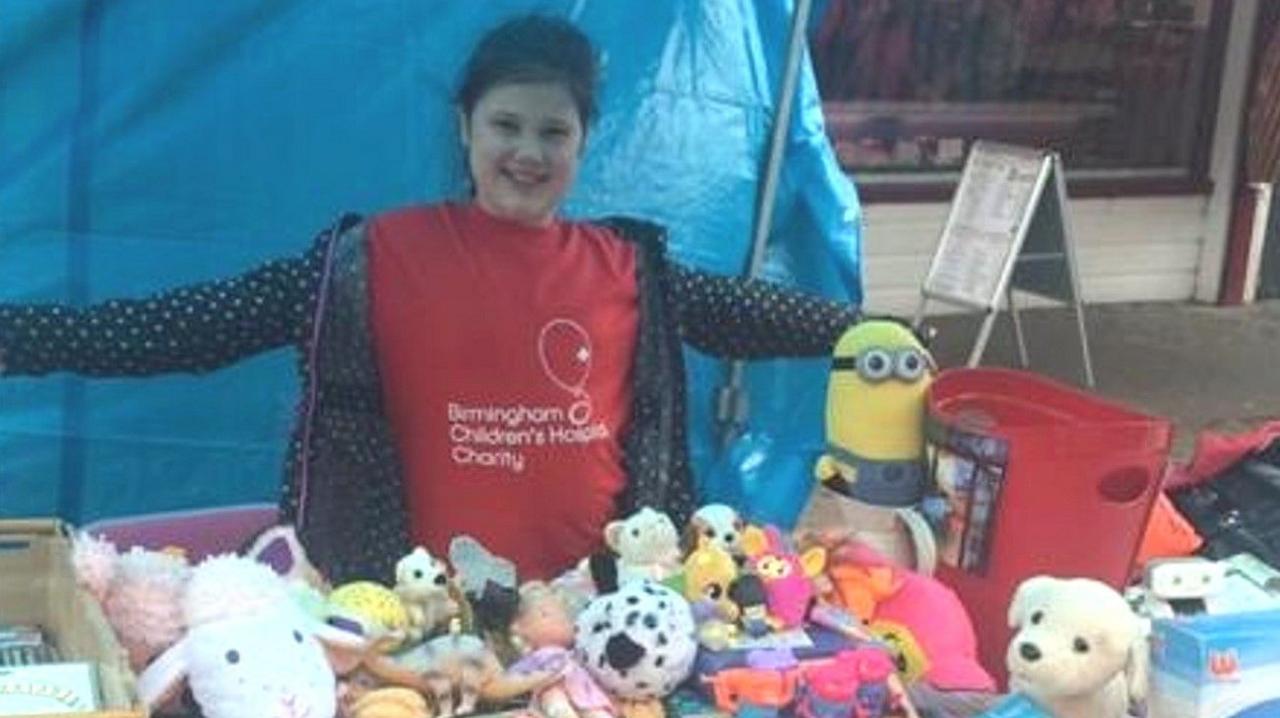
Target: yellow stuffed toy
x=874, y=470
x=880, y=375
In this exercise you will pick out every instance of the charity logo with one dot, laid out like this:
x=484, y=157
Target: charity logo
x=564, y=350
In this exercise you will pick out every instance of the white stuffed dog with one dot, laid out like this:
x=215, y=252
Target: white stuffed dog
x=1079, y=650
x=422, y=582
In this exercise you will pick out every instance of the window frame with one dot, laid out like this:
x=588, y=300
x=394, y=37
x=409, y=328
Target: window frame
x=906, y=186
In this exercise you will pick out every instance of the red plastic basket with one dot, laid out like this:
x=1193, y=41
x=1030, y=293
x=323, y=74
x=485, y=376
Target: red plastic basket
x=1080, y=475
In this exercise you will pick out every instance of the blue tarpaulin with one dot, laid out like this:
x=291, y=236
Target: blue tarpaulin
x=147, y=144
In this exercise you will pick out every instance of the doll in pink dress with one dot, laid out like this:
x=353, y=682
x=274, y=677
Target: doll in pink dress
x=543, y=629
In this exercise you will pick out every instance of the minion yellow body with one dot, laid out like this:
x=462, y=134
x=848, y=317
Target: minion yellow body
x=875, y=414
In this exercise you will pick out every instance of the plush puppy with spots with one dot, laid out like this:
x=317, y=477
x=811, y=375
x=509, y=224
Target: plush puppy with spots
x=1079, y=650
x=637, y=642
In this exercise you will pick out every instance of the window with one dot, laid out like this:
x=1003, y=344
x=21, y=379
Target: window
x=1124, y=89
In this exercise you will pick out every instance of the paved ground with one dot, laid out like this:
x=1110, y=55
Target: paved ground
x=1202, y=366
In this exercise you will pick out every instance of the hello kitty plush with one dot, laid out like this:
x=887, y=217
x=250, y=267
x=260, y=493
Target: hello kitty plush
x=646, y=544
x=248, y=650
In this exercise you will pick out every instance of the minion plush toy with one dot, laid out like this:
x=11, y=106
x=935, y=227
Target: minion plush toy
x=875, y=453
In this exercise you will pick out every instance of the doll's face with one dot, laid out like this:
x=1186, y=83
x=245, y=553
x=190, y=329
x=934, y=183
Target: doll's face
x=544, y=621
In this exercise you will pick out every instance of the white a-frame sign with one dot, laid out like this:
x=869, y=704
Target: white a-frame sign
x=1009, y=228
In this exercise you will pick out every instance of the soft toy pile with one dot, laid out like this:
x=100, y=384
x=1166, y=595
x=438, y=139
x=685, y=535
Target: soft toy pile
x=725, y=613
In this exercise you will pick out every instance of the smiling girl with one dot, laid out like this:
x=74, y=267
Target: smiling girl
x=481, y=367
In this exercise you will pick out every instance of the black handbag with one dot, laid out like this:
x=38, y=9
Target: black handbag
x=1238, y=511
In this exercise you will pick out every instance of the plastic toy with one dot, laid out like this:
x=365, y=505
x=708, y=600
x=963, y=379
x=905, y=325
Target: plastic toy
x=748, y=593
x=753, y=692
x=1179, y=586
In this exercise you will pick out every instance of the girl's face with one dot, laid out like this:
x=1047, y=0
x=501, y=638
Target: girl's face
x=523, y=144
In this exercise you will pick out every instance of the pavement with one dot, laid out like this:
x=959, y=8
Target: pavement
x=1202, y=366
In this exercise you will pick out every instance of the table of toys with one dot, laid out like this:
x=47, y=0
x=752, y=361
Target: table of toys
x=962, y=554
x=726, y=619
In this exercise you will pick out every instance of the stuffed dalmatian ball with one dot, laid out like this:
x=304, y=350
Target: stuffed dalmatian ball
x=639, y=641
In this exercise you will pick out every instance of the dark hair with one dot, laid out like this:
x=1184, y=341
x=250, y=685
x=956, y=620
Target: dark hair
x=532, y=49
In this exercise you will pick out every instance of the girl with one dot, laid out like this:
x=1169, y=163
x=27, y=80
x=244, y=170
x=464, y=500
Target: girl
x=483, y=367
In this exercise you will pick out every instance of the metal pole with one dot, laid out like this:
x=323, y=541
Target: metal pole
x=1019, y=338
x=1073, y=269
x=731, y=399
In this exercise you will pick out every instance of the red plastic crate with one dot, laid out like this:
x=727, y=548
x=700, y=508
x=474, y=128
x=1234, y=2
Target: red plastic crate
x=1080, y=477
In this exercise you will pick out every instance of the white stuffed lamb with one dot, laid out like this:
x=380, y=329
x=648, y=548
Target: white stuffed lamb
x=248, y=651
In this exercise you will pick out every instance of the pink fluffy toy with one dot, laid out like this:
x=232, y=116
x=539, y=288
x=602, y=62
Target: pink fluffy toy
x=140, y=593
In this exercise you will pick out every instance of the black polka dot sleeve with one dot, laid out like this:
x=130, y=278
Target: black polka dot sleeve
x=736, y=318
x=194, y=329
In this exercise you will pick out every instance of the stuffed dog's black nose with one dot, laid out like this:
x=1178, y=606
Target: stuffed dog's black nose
x=1029, y=651
x=622, y=652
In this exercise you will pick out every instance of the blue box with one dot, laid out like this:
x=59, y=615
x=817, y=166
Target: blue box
x=1216, y=666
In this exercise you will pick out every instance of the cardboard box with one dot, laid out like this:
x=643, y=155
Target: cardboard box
x=1224, y=666
x=38, y=587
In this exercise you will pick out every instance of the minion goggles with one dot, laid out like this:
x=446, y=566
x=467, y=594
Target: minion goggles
x=876, y=365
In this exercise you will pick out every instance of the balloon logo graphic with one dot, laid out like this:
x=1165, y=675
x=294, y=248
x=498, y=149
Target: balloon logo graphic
x=564, y=348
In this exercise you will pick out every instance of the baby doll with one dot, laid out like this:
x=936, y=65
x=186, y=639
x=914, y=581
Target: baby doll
x=544, y=629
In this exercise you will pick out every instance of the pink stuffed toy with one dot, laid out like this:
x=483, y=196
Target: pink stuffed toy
x=787, y=577
x=140, y=593
x=921, y=619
